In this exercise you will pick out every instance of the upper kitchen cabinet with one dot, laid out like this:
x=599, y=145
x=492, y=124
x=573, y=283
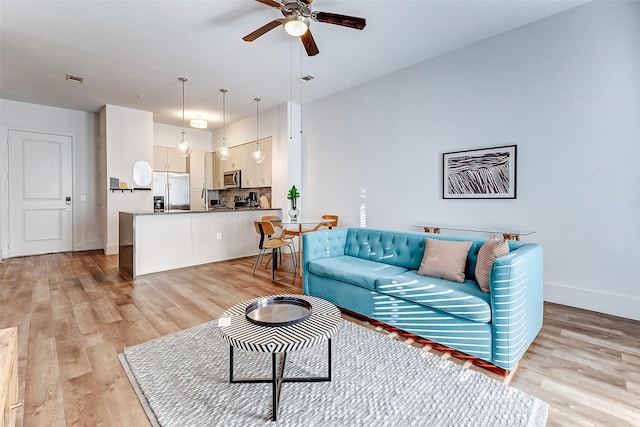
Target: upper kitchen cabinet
x=253, y=174
x=168, y=159
x=256, y=174
x=201, y=170
x=264, y=171
x=218, y=171
x=208, y=168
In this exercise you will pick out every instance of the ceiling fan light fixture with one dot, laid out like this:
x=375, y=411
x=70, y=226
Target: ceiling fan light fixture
x=295, y=25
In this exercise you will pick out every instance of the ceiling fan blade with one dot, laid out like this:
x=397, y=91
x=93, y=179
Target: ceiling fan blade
x=337, y=19
x=264, y=29
x=309, y=43
x=271, y=3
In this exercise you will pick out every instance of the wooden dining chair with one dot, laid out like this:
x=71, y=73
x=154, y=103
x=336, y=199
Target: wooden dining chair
x=275, y=219
x=333, y=221
x=275, y=244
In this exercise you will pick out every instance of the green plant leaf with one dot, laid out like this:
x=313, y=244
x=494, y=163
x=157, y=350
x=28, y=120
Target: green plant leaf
x=293, y=193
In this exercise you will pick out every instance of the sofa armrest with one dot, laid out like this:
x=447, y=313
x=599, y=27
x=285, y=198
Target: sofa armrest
x=516, y=284
x=321, y=244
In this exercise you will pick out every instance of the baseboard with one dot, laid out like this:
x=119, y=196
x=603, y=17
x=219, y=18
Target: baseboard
x=602, y=302
x=112, y=249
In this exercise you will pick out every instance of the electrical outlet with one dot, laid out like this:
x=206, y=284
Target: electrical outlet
x=219, y=235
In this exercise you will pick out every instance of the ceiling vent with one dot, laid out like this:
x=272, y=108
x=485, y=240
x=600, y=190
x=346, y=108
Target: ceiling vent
x=76, y=79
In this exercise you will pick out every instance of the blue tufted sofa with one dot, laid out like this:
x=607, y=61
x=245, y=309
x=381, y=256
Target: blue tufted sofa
x=374, y=273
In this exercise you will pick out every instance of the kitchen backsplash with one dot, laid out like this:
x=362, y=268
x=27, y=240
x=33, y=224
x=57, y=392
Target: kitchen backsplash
x=227, y=197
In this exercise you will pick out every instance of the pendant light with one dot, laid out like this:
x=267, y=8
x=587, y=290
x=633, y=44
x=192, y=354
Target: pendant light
x=257, y=155
x=223, y=152
x=184, y=148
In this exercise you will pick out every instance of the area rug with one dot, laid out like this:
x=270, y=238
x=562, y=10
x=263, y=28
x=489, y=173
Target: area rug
x=182, y=380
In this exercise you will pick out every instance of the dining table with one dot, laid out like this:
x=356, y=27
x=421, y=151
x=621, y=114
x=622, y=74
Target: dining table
x=301, y=225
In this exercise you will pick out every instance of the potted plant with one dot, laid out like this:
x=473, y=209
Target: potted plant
x=293, y=195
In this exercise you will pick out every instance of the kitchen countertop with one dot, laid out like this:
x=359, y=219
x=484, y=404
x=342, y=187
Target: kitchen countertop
x=213, y=210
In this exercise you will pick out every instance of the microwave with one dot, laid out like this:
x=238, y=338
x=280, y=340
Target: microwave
x=232, y=179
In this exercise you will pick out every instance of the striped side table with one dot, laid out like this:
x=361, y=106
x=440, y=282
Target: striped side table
x=240, y=333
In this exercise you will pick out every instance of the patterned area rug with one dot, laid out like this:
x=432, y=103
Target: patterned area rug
x=182, y=380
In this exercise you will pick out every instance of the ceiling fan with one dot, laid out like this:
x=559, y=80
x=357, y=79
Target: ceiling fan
x=296, y=22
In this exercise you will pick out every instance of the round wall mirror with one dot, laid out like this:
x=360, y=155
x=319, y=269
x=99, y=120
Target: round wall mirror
x=142, y=173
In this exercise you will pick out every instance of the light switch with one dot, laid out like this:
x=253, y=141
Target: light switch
x=219, y=235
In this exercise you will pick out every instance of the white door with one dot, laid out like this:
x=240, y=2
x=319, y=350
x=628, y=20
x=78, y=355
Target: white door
x=40, y=190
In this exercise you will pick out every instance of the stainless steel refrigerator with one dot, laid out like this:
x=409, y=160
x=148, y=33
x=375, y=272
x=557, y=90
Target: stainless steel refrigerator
x=174, y=187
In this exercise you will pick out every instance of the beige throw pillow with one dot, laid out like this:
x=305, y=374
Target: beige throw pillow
x=444, y=259
x=492, y=249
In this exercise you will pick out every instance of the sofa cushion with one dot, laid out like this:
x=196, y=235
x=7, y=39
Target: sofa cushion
x=357, y=271
x=445, y=259
x=390, y=247
x=492, y=249
x=459, y=299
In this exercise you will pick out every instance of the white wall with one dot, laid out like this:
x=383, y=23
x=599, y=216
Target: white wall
x=128, y=136
x=565, y=89
x=83, y=129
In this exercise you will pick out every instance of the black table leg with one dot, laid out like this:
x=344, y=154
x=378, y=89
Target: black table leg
x=274, y=263
x=278, y=378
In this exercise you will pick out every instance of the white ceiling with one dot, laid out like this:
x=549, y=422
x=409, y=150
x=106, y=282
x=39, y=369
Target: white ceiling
x=131, y=53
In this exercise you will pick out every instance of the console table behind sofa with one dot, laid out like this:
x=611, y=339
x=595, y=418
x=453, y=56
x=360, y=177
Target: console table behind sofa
x=507, y=235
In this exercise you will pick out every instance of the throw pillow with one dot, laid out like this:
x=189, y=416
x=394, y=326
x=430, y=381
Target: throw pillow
x=445, y=259
x=492, y=249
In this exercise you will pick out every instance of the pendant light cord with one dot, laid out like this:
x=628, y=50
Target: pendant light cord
x=301, y=83
x=183, y=107
x=257, y=122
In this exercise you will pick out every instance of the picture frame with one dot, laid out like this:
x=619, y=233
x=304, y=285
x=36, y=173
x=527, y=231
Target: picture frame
x=483, y=173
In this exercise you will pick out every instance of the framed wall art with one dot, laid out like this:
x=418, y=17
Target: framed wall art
x=485, y=173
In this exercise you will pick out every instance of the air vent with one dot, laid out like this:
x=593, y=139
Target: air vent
x=76, y=79
x=307, y=78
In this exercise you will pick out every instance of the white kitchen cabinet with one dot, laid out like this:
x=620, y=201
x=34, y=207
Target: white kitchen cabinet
x=253, y=174
x=257, y=174
x=196, y=170
x=263, y=170
x=236, y=159
x=168, y=159
x=218, y=172
x=196, y=201
x=196, y=179
x=209, y=173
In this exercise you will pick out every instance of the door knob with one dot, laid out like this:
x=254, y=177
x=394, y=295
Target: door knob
x=68, y=200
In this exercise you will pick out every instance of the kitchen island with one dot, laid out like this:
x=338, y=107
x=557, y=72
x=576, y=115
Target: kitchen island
x=160, y=241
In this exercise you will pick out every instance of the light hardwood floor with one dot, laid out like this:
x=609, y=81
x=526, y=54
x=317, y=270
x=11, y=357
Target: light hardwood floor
x=75, y=313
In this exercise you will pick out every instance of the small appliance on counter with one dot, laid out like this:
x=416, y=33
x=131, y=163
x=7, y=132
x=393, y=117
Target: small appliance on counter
x=252, y=200
x=239, y=201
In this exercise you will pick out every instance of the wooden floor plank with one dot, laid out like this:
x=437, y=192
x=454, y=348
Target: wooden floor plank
x=75, y=312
